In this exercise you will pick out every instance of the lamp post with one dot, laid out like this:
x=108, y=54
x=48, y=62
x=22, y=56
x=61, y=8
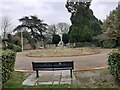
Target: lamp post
x=22, y=40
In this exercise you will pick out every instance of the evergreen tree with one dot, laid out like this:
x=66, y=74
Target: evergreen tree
x=36, y=25
x=82, y=19
x=111, y=26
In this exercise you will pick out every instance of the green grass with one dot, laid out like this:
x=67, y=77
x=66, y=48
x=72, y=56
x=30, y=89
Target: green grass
x=101, y=81
x=63, y=52
x=18, y=77
x=16, y=80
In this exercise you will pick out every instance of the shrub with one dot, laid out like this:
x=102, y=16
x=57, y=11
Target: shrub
x=56, y=39
x=14, y=47
x=114, y=64
x=65, y=38
x=8, y=60
x=109, y=44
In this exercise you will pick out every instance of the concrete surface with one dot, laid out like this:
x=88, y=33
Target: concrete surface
x=50, y=77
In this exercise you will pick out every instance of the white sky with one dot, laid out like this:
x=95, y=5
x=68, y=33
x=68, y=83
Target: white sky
x=51, y=11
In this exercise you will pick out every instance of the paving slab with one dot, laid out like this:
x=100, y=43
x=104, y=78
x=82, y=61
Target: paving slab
x=31, y=80
x=50, y=77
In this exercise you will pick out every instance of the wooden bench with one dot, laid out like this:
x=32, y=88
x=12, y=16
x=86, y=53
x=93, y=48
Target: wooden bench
x=52, y=66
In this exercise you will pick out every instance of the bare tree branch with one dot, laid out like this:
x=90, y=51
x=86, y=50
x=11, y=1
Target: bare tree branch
x=5, y=25
x=64, y=27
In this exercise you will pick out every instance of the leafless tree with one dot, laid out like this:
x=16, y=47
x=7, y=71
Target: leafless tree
x=52, y=29
x=63, y=27
x=5, y=25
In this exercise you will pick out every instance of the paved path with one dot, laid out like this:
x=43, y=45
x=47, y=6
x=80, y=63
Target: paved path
x=51, y=77
x=90, y=61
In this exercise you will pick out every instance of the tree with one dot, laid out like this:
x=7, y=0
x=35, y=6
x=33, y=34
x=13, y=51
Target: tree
x=64, y=27
x=52, y=29
x=37, y=27
x=96, y=28
x=65, y=38
x=111, y=26
x=80, y=13
x=74, y=34
x=9, y=38
x=81, y=18
x=77, y=35
x=26, y=35
x=16, y=40
x=86, y=34
x=56, y=39
x=5, y=27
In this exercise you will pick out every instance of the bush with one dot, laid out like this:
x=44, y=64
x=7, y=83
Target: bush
x=14, y=47
x=56, y=39
x=8, y=60
x=114, y=64
x=109, y=44
x=65, y=38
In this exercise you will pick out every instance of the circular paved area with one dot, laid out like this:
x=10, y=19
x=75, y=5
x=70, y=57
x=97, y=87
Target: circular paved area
x=90, y=61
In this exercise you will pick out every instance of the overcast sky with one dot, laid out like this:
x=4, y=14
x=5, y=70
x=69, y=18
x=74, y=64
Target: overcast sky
x=51, y=11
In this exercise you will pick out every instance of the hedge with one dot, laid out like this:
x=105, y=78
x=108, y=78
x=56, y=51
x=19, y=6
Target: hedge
x=8, y=61
x=114, y=63
x=109, y=43
x=65, y=38
x=56, y=39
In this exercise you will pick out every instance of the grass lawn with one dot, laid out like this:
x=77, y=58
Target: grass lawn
x=18, y=77
x=101, y=81
x=63, y=52
x=97, y=79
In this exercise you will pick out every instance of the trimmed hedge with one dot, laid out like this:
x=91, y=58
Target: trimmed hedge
x=109, y=44
x=8, y=61
x=65, y=38
x=56, y=39
x=114, y=64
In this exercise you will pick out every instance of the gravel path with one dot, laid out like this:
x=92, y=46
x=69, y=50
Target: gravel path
x=90, y=61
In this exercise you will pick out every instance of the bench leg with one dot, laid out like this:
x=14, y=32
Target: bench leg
x=71, y=76
x=71, y=73
x=37, y=75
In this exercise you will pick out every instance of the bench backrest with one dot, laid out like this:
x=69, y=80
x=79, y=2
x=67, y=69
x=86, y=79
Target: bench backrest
x=52, y=65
